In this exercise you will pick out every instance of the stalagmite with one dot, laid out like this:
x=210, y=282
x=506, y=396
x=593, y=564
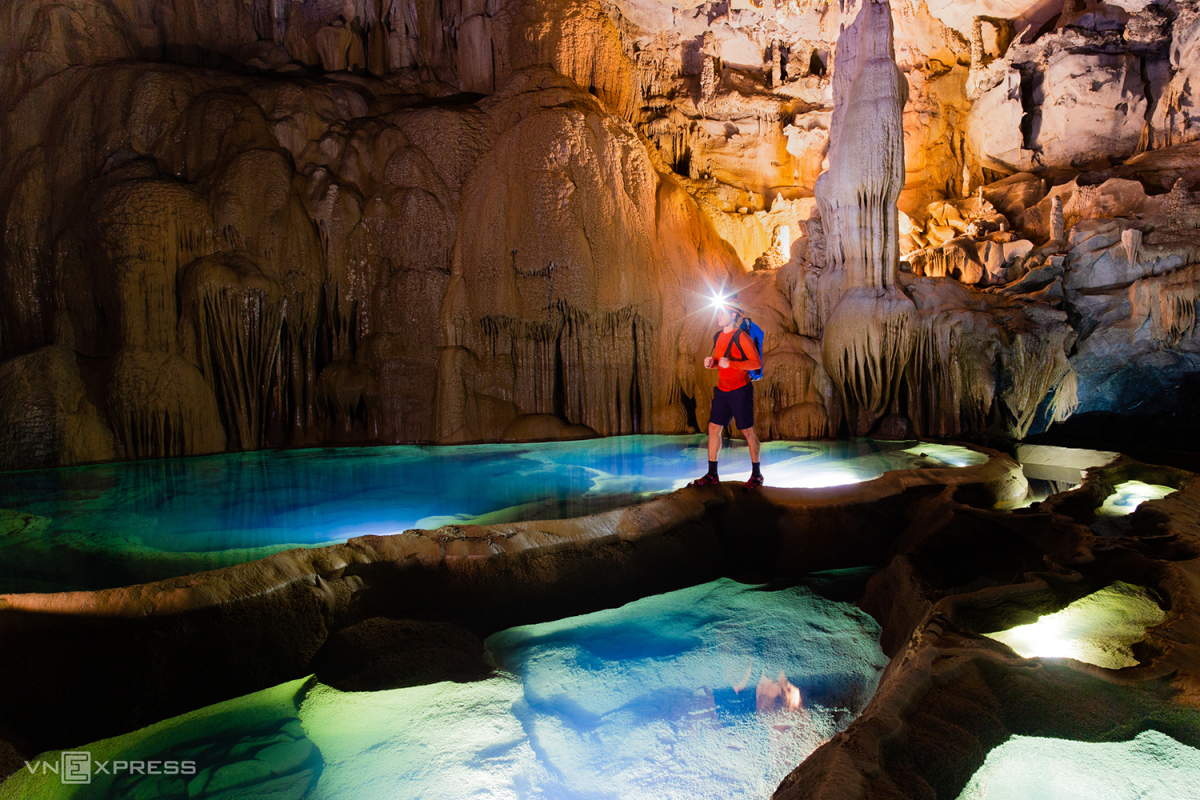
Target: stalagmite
x=868, y=327
x=710, y=71
x=1057, y=222
x=858, y=194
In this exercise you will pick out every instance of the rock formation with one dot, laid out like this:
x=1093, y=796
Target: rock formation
x=382, y=223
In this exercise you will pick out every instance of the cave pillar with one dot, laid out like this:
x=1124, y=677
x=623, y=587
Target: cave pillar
x=868, y=321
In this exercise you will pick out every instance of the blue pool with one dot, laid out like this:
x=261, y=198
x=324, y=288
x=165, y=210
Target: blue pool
x=115, y=524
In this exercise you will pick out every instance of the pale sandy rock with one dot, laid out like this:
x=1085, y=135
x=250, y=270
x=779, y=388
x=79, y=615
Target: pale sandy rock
x=994, y=127
x=1132, y=6
x=959, y=15
x=1176, y=111
x=1014, y=194
x=995, y=264
x=1077, y=99
x=935, y=156
x=1039, y=276
x=1116, y=197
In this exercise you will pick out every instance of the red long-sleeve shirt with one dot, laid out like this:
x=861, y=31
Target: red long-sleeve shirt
x=734, y=376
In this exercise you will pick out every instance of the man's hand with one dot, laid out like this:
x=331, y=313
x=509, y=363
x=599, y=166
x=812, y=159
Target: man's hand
x=709, y=362
x=724, y=362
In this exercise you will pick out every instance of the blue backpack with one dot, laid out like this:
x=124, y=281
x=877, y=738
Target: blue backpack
x=756, y=335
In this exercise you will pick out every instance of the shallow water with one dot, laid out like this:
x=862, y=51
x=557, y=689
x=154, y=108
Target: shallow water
x=680, y=695
x=113, y=524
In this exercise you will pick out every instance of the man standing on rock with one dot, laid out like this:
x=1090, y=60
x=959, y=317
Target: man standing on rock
x=734, y=355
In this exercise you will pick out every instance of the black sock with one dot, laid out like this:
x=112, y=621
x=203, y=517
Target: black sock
x=712, y=468
x=755, y=472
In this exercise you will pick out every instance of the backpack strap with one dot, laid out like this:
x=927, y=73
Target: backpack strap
x=737, y=337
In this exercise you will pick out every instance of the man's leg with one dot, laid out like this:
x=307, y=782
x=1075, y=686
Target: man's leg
x=756, y=477
x=714, y=452
x=714, y=442
x=752, y=440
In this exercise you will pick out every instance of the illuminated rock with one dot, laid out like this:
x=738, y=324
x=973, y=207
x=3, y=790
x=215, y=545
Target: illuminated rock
x=1098, y=629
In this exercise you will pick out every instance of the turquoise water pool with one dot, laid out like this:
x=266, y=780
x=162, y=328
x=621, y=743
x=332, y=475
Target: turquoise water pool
x=115, y=524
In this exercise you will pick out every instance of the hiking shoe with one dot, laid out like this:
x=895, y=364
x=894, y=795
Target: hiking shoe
x=754, y=482
x=708, y=479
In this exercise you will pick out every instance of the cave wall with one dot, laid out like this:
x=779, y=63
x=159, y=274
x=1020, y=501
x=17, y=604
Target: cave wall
x=241, y=225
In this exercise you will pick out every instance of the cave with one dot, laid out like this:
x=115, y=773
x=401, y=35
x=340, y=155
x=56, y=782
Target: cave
x=366, y=459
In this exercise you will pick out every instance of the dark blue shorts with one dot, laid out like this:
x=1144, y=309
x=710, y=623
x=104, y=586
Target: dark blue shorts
x=738, y=404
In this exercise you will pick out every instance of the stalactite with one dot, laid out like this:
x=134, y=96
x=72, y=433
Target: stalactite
x=591, y=369
x=868, y=341
x=160, y=406
x=1037, y=363
x=950, y=380
x=1169, y=302
x=237, y=314
x=794, y=396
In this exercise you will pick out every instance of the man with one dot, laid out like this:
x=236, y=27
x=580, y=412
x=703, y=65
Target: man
x=733, y=397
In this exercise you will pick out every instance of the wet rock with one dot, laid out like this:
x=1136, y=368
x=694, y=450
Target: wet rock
x=287, y=787
x=544, y=427
x=237, y=774
x=284, y=757
x=382, y=653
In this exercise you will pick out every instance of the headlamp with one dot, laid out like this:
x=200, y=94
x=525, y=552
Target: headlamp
x=719, y=300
